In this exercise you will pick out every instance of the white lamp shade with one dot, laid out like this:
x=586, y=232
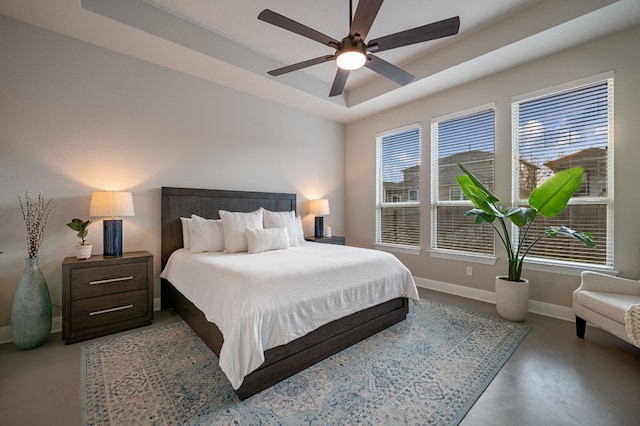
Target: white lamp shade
x=111, y=204
x=319, y=207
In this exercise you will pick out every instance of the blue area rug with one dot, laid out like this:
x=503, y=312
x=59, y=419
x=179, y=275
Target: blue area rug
x=429, y=369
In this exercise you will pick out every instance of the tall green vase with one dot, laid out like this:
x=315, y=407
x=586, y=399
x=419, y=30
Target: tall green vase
x=31, y=311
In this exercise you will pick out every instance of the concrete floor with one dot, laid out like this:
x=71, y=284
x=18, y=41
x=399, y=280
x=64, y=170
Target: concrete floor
x=553, y=378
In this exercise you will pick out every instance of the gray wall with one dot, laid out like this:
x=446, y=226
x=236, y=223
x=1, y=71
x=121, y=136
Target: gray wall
x=617, y=52
x=75, y=118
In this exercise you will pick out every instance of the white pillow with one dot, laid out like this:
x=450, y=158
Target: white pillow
x=186, y=239
x=206, y=234
x=234, y=224
x=282, y=220
x=299, y=230
x=259, y=240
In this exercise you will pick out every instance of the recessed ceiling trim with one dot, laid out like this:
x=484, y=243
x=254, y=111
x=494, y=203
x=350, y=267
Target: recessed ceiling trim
x=160, y=23
x=499, y=35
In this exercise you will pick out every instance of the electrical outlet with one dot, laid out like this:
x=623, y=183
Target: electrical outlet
x=469, y=271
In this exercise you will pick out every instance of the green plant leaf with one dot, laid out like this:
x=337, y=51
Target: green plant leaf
x=520, y=216
x=466, y=184
x=552, y=196
x=585, y=238
x=490, y=197
x=75, y=226
x=478, y=196
x=481, y=216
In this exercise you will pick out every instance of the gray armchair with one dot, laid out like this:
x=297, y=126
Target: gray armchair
x=610, y=303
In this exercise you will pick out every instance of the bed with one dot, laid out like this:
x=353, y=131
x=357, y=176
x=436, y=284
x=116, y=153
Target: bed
x=283, y=360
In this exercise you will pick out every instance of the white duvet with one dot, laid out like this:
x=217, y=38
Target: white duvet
x=260, y=301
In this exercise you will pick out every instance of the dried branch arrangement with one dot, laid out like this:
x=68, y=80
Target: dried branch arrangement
x=36, y=214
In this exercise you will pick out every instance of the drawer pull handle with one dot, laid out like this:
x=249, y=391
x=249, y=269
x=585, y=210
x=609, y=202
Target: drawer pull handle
x=106, y=311
x=110, y=280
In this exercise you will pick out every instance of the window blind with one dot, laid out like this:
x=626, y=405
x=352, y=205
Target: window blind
x=466, y=138
x=557, y=131
x=398, y=187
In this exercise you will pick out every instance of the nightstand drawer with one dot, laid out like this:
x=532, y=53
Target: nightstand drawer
x=108, y=310
x=103, y=280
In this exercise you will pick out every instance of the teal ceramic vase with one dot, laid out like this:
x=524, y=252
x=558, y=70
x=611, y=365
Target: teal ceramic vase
x=31, y=310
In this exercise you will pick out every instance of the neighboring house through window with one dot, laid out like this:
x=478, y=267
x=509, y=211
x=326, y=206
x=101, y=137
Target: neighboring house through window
x=398, y=187
x=466, y=137
x=553, y=130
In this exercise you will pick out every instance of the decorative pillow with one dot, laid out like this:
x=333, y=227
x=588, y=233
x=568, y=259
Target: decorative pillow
x=259, y=240
x=299, y=230
x=186, y=239
x=234, y=225
x=206, y=234
x=282, y=220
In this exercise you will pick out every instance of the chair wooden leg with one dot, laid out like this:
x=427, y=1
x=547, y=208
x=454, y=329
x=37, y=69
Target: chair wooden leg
x=581, y=325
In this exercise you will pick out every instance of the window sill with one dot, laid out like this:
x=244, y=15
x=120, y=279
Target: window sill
x=465, y=257
x=564, y=268
x=398, y=248
x=529, y=264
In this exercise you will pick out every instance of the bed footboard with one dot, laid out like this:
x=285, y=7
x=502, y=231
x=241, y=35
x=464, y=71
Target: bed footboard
x=284, y=361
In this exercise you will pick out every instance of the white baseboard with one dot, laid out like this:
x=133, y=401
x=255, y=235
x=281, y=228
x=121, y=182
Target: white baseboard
x=56, y=324
x=535, y=306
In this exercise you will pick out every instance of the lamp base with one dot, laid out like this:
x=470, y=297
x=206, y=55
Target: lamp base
x=112, y=234
x=319, y=231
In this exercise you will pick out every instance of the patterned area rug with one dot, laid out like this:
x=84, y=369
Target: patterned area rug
x=429, y=369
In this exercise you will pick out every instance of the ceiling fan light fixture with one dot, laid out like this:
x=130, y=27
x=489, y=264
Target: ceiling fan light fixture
x=352, y=52
x=351, y=59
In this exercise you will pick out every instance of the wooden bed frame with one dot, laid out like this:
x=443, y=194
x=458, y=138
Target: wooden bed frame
x=282, y=361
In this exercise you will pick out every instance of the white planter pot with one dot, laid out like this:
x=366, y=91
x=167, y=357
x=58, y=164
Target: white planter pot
x=512, y=298
x=83, y=251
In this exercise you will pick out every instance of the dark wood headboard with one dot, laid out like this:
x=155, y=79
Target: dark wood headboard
x=182, y=202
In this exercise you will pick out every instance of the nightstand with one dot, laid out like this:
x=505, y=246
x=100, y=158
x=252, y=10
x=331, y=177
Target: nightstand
x=104, y=295
x=327, y=240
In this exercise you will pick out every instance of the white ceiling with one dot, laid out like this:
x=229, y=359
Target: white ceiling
x=222, y=41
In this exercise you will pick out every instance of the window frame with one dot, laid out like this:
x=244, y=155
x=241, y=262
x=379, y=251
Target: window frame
x=381, y=195
x=549, y=264
x=434, y=250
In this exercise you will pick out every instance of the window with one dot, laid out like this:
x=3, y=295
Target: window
x=466, y=137
x=553, y=131
x=398, y=187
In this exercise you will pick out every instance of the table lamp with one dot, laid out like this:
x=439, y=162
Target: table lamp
x=319, y=208
x=111, y=204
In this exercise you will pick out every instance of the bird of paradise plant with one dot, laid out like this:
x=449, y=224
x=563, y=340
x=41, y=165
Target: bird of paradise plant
x=548, y=200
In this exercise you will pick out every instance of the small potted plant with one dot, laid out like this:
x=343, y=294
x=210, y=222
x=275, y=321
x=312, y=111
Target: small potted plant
x=83, y=250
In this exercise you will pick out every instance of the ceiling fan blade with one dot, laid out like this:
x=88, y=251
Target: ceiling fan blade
x=296, y=27
x=339, y=82
x=388, y=70
x=365, y=15
x=445, y=28
x=300, y=65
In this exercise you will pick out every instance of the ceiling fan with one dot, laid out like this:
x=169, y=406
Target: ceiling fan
x=353, y=52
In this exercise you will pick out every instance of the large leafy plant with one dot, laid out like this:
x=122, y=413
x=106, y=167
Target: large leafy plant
x=548, y=200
